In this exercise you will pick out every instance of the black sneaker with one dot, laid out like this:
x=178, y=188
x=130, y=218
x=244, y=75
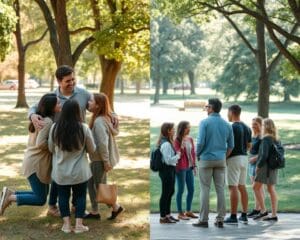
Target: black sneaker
x=260, y=215
x=231, y=220
x=201, y=224
x=270, y=219
x=219, y=224
x=116, y=213
x=243, y=219
x=92, y=216
x=253, y=213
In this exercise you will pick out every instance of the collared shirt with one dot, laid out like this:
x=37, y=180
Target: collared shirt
x=79, y=94
x=215, y=137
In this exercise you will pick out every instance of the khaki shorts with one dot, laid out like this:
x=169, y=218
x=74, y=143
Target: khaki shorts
x=237, y=170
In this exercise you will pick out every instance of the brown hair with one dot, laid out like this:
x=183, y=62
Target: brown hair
x=180, y=130
x=104, y=108
x=258, y=119
x=269, y=128
x=164, y=132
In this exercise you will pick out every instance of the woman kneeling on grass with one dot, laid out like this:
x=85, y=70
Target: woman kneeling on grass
x=265, y=175
x=167, y=173
x=37, y=160
x=69, y=141
x=104, y=128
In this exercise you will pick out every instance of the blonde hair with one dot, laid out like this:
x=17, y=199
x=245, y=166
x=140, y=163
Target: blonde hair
x=258, y=120
x=269, y=128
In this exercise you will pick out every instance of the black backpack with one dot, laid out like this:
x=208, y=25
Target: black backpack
x=156, y=162
x=276, y=158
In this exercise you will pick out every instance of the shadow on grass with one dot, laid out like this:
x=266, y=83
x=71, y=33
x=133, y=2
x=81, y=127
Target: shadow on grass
x=27, y=222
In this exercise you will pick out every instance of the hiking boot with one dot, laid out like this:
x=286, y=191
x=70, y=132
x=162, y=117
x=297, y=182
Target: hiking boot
x=5, y=202
x=182, y=216
x=243, y=219
x=166, y=220
x=260, y=215
x=253, y=213
x=270, y=219
x=231, y=220
x=201, y=224
x=190, y=215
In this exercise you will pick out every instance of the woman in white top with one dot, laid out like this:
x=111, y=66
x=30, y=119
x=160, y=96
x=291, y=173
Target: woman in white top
x=37, y=160
x=104, y=126
x=167, y=173
x=69, y=140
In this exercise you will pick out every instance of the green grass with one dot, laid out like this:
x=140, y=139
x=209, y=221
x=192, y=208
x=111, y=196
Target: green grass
x=26, y=222
x=289, y=179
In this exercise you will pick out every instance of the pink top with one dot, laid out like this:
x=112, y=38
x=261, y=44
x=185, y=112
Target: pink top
x=188, y=155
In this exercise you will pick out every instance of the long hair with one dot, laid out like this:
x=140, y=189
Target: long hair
x=45, y=108
x=103, y=109
x=68, y=131
x=180, y=130
x=258, y=120
x=164, y=132
x=269, y=128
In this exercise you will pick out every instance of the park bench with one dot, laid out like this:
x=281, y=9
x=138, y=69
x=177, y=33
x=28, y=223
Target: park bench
x=192, y=104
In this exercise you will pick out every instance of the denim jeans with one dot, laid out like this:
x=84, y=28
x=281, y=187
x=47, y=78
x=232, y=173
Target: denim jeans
x=183, y=177
x=36, y=197
x=54, y=195
x=167, y=176
x=79, y=196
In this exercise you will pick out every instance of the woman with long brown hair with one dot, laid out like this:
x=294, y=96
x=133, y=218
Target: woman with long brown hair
x=167, y=173
x=104, y=126
x=185, y=169
x=265, y=175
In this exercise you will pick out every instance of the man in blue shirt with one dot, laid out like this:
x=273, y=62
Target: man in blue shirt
x=215, y=142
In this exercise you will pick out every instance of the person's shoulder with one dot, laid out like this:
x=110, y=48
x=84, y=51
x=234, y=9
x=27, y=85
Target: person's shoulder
x=82, y=91
x=48, y=120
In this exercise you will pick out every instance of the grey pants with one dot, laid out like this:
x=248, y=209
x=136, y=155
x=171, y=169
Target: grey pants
x=212, y=170
x=99, y=176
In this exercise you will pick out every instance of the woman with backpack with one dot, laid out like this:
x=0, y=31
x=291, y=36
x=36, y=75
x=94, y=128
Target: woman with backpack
x=167, y=172
x=265, y=175
x=185, y=169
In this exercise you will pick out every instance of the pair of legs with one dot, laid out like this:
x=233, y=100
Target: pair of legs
x=185, y=177
x=167, y=177
x=262, y=193
x=79, y=196
x=209, y=170
x=257, y=187
x=99, y=176
x=236, y=178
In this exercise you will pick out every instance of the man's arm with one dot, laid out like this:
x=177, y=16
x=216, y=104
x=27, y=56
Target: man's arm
x=200, y=139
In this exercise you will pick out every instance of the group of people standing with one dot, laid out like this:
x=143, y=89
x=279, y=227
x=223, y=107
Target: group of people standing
x=222, y=153
x=58, y=144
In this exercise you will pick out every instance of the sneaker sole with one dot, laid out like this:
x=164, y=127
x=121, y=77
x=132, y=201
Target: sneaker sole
x=244, y=222
x=4, y=191
x=235, y=223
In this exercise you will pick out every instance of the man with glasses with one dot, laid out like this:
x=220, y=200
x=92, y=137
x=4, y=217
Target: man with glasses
x=215, y=142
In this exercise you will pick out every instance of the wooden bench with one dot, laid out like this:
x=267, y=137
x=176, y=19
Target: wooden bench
x=192, y=104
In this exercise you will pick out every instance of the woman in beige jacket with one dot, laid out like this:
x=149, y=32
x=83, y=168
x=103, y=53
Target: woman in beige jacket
x=37, y=160
x=104, y=127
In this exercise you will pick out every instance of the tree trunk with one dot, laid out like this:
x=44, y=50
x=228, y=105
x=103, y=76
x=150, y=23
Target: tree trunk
x=21, y=100
x=52, y=82
x=110, y=69
x=138, y=87
x=191, y=75
x=286, y=95
x=122, y=86
x=165, y=86
x=264, y=83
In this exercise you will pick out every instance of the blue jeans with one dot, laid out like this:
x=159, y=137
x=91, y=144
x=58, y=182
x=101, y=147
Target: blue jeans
x=79, y=196
x=54, y=195
x=36, y=197
x=183, y=177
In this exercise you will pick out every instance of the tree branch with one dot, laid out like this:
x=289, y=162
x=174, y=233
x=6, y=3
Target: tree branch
x=79, y=30
x=295, y=9
x=35, y=41
x=239, y=32
x=80, y=48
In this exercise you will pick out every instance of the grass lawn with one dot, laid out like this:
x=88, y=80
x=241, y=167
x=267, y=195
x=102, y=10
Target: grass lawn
x=26, y=222
x=288, y=188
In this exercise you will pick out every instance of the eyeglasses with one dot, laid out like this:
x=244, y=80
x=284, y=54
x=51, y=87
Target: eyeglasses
x=207, y=106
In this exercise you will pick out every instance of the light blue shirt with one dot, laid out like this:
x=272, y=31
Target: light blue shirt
x=215, y=137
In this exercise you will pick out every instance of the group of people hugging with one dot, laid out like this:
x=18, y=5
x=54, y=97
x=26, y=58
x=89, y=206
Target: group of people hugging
x=225, y=152
x=58, y=144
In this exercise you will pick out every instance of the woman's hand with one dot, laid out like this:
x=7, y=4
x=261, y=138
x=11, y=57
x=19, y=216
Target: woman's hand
x=107, y=167
x=252, y=160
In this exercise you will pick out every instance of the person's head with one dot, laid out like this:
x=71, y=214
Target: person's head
x=257, y=125
x=48, y=105
x=99, y=106
x=183, y=129
x=65, y=78
x=167, y=131
x=68, y=132
x=214, y=105
x=269, y=129
x=234, y=112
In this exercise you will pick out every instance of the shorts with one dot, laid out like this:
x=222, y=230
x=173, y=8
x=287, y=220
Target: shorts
x=237, y=170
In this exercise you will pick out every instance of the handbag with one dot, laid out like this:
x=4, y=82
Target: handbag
x=107, y=193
